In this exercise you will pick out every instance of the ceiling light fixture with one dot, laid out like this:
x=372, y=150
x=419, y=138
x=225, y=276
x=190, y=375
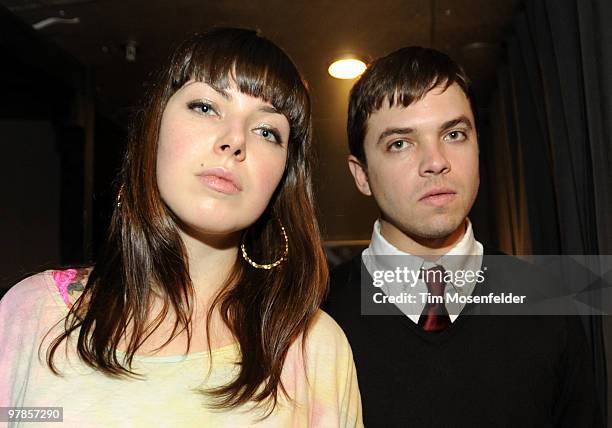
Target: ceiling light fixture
x=347, y=68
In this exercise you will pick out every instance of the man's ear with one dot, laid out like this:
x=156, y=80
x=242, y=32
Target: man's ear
x=360, y=175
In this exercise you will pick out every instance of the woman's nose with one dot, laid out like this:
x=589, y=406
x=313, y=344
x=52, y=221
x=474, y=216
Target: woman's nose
x=233, y=142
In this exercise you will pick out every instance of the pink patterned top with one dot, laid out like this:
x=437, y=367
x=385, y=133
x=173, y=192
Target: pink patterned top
x=323, y=387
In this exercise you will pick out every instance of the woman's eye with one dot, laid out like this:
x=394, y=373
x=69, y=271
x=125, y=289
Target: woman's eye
x=202, y=108
x=269, y=134
x=456, y=136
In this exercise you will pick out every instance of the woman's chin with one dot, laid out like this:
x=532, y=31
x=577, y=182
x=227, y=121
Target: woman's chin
x=217, y=231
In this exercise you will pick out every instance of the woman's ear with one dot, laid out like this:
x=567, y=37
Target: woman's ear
x=360, y=175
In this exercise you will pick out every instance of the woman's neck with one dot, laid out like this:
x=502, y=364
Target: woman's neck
x=210, y=260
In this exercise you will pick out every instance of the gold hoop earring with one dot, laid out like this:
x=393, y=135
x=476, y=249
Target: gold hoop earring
x=272, y=265
x=119, y=194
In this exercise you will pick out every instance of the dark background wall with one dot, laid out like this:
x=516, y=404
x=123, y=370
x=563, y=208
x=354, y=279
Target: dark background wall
x=30, y=195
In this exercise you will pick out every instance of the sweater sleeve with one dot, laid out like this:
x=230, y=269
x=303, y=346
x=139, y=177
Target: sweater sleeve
x=577, y=404
x=22, y=319
x=334, y=392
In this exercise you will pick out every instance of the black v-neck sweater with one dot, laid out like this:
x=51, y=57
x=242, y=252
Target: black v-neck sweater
x=483, y=371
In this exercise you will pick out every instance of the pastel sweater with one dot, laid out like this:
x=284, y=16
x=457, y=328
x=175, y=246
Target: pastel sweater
x=324, y=389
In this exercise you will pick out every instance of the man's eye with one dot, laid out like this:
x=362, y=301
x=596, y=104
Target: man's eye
x=397, y=145
x=456, y=136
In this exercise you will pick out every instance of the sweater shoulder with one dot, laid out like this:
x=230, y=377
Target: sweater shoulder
x=51, y=290
x=29, y=295
x=324, y=331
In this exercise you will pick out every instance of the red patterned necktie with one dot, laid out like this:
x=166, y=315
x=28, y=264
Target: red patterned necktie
x=435, y=316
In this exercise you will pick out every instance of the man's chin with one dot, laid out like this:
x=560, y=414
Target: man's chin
x=440, y=231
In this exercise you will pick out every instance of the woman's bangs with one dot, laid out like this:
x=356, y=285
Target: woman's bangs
x=257, y=69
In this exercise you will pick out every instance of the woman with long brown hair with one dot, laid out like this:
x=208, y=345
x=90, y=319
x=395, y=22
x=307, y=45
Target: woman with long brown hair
x=203, y=307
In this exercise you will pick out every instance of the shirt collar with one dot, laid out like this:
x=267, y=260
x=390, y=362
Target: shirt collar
x=456, y=258
x=465, y=255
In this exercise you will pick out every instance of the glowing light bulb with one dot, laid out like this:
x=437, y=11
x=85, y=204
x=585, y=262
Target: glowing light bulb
x=346, y=68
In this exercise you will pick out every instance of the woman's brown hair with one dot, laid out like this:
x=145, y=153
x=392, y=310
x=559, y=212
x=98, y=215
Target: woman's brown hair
x=266, y=310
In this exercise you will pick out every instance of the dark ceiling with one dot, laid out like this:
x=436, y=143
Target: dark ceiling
x=312, y=32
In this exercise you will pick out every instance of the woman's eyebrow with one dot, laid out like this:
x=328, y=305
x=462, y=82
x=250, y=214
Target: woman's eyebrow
x=223, y=93
x=269, y=109
x=220, y=91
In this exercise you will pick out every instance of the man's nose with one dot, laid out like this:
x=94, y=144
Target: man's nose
x=434, y=160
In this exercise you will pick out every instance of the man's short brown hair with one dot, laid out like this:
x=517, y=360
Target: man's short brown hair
x=400, y=78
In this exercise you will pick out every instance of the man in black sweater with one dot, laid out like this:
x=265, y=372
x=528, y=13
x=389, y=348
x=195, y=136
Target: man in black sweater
x=434, y=360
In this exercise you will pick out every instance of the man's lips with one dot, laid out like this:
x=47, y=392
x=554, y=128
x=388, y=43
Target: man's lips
x=438, y=196
x=221, y=180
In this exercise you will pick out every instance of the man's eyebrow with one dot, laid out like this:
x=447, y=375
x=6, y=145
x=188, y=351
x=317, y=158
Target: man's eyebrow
x=463, y=119
x=394, y=131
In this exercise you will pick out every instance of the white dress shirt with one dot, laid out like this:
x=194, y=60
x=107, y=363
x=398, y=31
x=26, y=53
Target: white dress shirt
x=466, y=255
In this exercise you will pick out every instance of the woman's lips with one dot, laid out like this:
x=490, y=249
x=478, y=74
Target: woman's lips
x=220, y=184
x=221, y=180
